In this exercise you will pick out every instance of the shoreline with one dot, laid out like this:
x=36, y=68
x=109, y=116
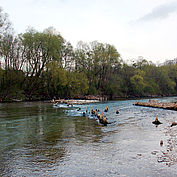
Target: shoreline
x=73, y=101
x=156, y=104
x=86, y=99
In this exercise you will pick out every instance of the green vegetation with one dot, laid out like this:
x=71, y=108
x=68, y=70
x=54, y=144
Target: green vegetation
x=42, y=65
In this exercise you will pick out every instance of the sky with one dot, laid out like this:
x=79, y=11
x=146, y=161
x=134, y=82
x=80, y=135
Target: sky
x=146, y=28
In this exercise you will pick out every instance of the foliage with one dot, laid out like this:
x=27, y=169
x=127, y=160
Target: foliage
x=77, y=84
x=42, y=65
x=56, y=78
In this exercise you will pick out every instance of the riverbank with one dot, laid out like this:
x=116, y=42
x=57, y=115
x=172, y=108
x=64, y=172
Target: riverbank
x=85, y=99
x=72, y=101
x=156, y=104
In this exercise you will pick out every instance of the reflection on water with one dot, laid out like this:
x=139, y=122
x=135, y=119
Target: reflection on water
x=39, y=140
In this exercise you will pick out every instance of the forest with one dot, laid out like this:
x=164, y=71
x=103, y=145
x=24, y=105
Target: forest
x=43, y=65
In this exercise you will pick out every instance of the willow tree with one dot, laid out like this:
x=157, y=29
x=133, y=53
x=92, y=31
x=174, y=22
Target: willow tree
x=39, y=48
x=68, y=56
x=172, y=73
x=138, y=84
x=77, y=84
x=99, y=62
x=166, y=84
x=106, y=64
x=8, y=54
x=6, y=37
x=56, y=77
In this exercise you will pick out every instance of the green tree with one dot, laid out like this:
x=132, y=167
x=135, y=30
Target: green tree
x=126, y=72
x=98, y=61
x=77, y=84
x=56, y=79
x=172, y=74
x=138, y=84
x=165, y=83
x=38, y=50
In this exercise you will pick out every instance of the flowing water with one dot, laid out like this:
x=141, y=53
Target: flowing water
x=37, y=139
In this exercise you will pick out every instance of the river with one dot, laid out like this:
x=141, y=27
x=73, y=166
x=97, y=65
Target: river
x=37, y=139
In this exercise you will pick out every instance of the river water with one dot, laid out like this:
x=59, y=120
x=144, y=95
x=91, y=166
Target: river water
x=37, y=139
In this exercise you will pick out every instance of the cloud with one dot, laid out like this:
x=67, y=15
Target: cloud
x=160, y=12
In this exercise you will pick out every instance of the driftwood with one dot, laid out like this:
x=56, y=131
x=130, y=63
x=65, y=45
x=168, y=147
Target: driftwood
x=156, y=104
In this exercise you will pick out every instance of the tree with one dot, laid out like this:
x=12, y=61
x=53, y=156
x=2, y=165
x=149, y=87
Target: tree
x=165, y=83
x=172, y=74
x=138, y=84
x=56, y=79
x=38, y=50
x=77, y=84
x=5, y=24
x=98, y=61
x=68, y=56
x=6, y=37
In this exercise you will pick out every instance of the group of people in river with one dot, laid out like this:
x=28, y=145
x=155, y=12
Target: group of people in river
x=101, y=116
x=103, y=119
x=97, y=114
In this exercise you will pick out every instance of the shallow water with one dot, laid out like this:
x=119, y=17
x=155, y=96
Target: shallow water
x=37, y=139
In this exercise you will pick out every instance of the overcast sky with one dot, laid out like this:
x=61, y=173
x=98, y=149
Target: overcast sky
x=145, y=28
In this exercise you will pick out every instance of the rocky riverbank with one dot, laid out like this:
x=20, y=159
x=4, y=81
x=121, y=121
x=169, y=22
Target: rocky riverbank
x=156, y=104
x=169, y=154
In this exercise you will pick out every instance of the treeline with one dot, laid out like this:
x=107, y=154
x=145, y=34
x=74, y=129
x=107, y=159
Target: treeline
x=43, y=65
